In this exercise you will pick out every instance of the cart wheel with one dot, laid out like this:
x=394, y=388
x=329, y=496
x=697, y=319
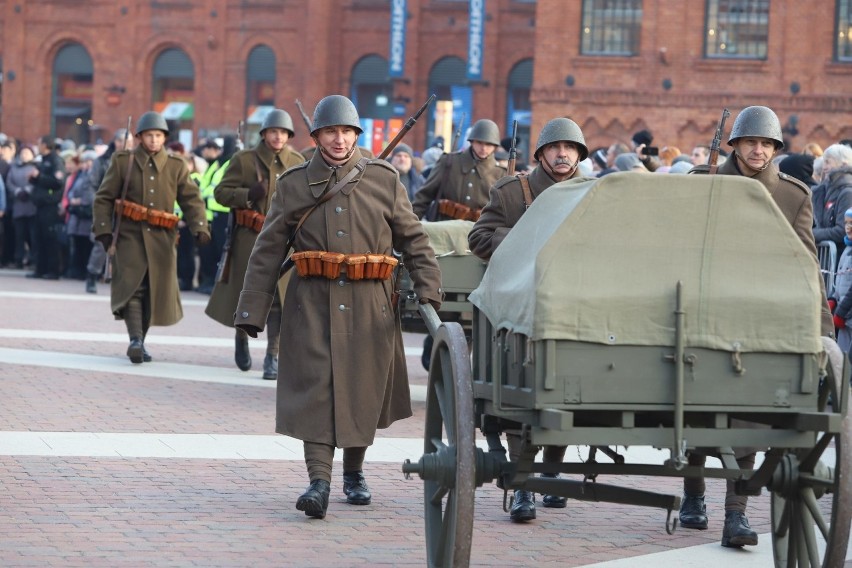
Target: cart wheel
x=448, y=495
x=797, y=513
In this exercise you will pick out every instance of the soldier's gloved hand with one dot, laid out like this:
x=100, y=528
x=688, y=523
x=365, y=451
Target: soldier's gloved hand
x=257, y=192
x=251, y=330
x=105, y=240
x=839, y=322
x=202, y=239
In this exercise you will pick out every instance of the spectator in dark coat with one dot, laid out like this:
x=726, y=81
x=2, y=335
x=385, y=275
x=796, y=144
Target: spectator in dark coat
x=800, y=166
x=833, y=196
x=401, y=158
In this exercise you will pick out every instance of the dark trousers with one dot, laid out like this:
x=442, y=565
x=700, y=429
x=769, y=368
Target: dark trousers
x=26, y=235
x=185, y=258
x=7, y=251
x=210, y=254
x=81, y=248
x=47, y=241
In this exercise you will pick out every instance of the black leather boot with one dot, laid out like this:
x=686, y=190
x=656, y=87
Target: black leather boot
x=91, y=283
x=737, y=532
x=146, y=357
x=270, y=367
x=134, y=350
x=553, y=501
x=693, y=512
x=242, y=356
x=523, y=508
x=314, y=501
x=355, y=488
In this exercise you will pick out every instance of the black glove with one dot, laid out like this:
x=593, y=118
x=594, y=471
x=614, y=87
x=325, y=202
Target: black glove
x=251, y=330
x=22, y=195
x=105, y=240
x=202, y=239
x=257, y=192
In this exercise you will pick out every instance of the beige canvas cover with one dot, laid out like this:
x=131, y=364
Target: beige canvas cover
x=448, y=238
x=598, y=261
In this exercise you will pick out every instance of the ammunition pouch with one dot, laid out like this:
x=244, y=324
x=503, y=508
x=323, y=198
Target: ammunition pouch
x=455, y=210
x=332, y=264
x=140, y=213
x=250, y=219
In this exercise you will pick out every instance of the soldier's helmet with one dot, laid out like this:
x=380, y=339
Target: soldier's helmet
x=485, y=130
x=560, y=129
x=277, y=118
x=758, y=121
x=152, y=121
x=335, y=110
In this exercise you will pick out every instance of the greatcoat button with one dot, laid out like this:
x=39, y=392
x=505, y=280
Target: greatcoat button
x=244, y=314
x=341, y=283
x=341, y=307
x=338, y=209
x=340, y=233
x=467, y=198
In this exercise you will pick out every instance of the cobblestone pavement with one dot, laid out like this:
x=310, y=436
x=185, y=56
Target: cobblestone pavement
x=175, y=463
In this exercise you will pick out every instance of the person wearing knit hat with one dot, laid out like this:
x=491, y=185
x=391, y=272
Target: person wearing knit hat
x=642, y=140
x=629, y=163
x=800, y=166
x=833, y=195
x=840, y=301
x=402, y=159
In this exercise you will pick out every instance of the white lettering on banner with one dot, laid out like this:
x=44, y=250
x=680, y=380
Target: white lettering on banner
x=397, y=39
x=474, y=53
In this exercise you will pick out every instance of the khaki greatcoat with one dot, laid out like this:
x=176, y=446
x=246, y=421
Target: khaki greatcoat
x=468, y=181
x=504, y=209
x=156, y=181
x=342, y=371
x=232, y=192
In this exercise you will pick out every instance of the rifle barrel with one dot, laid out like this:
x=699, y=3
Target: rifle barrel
x=404, y=130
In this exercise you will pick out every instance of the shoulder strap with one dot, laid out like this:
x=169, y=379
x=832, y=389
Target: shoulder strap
x=445, y=176
x=257, y=167
x=525, y=185
x=116, y=212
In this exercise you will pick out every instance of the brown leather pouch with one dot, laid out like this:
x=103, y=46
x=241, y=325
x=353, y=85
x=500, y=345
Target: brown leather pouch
x=355, y=266
x=332, y=263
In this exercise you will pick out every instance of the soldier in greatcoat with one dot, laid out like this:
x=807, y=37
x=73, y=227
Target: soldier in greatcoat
x=247, y=188
x=755, y=137
x=463, y=177
x=559, y=150
x=342, y=373
x=144, y=287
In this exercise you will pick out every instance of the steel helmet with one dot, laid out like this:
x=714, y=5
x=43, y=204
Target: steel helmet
x=151, y=121
x=560, y=129
x=758, y=121
x=335, y=110
x=277, y=118
x=485, y=130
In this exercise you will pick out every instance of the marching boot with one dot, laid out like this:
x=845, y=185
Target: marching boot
x=91, y=283
x=270, y=367
x=553, y=501
x=135, y=351
x=693, y=512
x=146, y=357
x=355, y=488
x=242, y=356
x=314, y=501
x=523, y=508
x=737, y=532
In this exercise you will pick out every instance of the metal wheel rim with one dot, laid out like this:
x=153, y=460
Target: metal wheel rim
x=449, y=413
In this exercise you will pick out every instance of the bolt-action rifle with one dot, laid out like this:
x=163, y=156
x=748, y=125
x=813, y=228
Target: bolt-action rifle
x=305, y=116
x=513, y=150
x=409, y=124
x=717, y=142
x=223, y=269
x=457, y=135
x=116, y=213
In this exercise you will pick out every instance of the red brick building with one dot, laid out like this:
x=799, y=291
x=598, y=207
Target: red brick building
x=78, y=68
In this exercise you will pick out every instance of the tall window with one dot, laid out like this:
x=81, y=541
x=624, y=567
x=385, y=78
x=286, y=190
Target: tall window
x=372, y=93
x=611, y=27
x=843, y=47
x=260, y=91
x=72, y=93
x=173, y=91
x=737, y=28
x=518, y=104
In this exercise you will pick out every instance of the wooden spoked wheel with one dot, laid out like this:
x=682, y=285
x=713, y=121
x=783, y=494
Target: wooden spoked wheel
x=449, y=451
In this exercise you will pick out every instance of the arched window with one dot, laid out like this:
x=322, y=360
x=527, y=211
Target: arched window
x=518, y=105
x=173, y=91
x=71, y=93
x=260, y=90
x=372, y=94
x=448, y=80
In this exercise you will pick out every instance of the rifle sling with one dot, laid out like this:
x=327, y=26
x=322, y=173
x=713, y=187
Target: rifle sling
x=525, y=186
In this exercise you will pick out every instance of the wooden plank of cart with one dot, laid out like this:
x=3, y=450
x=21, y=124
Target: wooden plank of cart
x=673, y=311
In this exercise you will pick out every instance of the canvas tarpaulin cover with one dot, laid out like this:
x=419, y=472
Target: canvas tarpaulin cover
x=599, y=261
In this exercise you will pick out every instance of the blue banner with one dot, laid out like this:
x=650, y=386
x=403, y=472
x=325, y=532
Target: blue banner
x=475, y=39
x=396, y=54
